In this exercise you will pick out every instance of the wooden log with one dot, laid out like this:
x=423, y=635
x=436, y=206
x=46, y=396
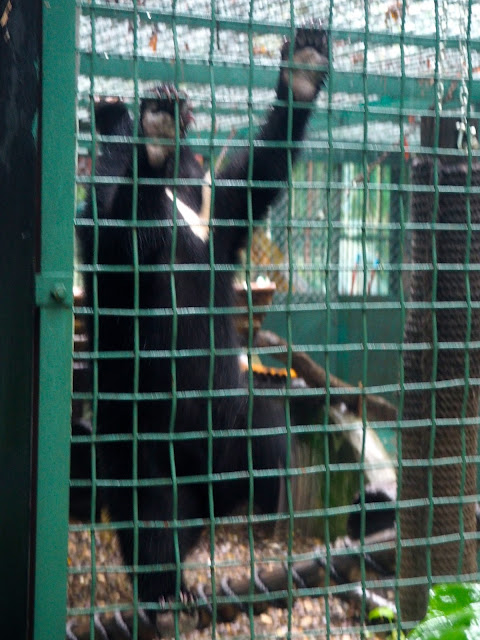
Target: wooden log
x=315, y=376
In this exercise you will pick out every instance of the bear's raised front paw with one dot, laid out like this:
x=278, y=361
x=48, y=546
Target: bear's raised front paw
x=310, y=61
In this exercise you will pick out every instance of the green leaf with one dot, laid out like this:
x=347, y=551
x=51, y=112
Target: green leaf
x=453, y=614
x=381, y=613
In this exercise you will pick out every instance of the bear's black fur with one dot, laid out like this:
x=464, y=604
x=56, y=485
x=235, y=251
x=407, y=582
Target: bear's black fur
x=171, y=392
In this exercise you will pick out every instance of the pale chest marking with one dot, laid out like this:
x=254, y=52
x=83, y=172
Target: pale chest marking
x=198, y=222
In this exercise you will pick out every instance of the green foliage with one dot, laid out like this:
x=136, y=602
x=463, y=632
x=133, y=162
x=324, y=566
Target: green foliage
x=384, y=615
x=453, y=614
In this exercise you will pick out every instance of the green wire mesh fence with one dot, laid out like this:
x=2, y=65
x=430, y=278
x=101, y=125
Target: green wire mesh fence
x=284, y=444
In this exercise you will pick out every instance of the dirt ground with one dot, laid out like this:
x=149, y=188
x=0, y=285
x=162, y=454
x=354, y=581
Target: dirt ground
x=232, y=558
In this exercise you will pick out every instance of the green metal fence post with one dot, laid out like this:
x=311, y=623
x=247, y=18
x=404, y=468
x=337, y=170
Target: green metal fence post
x=54, y=297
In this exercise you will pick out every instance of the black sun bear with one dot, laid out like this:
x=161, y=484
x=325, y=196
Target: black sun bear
x=177, y=430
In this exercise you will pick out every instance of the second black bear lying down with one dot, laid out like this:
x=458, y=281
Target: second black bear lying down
x=169, y=381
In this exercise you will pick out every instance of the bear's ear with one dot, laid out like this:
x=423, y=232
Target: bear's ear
x=112, y=118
